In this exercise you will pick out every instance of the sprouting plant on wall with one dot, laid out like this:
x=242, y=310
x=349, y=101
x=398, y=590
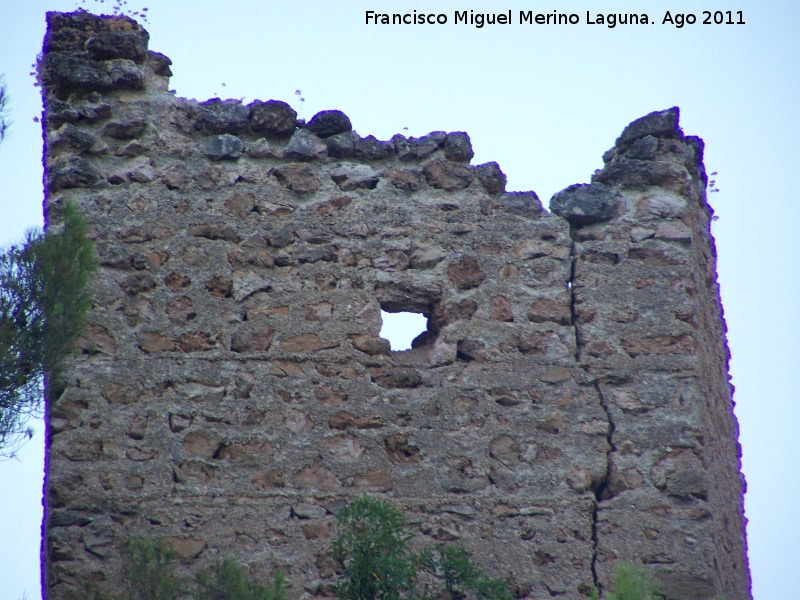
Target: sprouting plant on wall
x=120, y=7
x=302, y=101
x=378, y=563
x=228, y=582
x=629, y=582
x=149, y=573
x=43, y=303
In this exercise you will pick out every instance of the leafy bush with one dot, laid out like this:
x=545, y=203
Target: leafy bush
x=379, y=565
x=148, y=572
x=631, y=582
x=373, y=542
x=229, y=583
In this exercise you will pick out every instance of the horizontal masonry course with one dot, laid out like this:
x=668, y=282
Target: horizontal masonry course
x=528, y=17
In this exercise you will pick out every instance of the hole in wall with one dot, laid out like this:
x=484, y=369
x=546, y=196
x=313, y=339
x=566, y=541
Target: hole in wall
x=401, y=328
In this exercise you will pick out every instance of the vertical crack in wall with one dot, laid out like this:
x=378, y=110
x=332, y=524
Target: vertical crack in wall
x=599, y=488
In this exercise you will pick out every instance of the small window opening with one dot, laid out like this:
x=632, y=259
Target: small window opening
x=401, y=328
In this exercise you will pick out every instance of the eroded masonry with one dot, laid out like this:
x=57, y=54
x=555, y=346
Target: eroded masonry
x=567, y=407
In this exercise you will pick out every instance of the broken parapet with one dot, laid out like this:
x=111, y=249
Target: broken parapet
x=567, y=406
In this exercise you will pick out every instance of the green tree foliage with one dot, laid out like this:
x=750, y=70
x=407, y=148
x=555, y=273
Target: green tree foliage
x=4, y=122
x=373, y=543
x=43, y=302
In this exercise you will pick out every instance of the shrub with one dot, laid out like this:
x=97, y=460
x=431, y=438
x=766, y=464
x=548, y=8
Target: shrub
x=229, y=583
x=373, y=543
x=631, y=582
x=378, y=564
x=148, y=572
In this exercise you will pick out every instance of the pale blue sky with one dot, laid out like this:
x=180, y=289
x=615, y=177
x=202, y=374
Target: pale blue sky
x=544, y=102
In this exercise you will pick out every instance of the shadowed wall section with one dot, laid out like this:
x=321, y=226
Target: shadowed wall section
x=567, y=407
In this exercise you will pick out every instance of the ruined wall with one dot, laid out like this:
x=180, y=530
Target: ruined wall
x=568, y=406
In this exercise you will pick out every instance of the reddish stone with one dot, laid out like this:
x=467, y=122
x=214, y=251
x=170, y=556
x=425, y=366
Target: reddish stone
x=500, y=309
x=400, y=450
x=175, y=281
x=195, y=341
x=319, y=312
x=252, y=336
x=220, y=286
x=466, y=273
x=371, y=345
x=404, y=179
x=202, y=443
x=446, y=175
x=268, y=480
x=152, y=341
x=297, y=177
x=316, y=477
x=373, y=480
x=307, y=342
x=254, y=452
x=344, y=420
x=180, y=310
x=660, y=344
x=98, y=339
x=240, y=204
x=504, y=449
x=550, y=309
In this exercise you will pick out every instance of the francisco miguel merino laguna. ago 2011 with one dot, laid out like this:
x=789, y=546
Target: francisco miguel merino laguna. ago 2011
x=528, y=17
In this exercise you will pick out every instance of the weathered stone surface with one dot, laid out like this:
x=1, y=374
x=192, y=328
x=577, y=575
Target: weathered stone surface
x=223, y=146
x=446, y=175
x=297, y=177
x=223, y=116
x=350, y=177
x=458, y=148
x=252, y=337
x=272, y=118
x=466, y=273
x=565, y=408
x=106, y=45
x=582, y=204
x=329, y=122
x=657, y=124
x=304, y=145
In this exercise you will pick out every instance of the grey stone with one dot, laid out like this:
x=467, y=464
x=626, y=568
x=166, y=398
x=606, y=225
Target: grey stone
x=457, y=147
x=329, y=122
x=304, y=145
x=304, y=510
x=66, y=71
x=223, y=116
x=582, y=204
x=352, y=177
x=370, y=148
x=662, y=123
x=223, y=146
x=524, y=204
x=341, y=145
x=71, y=172
x=272, y=118
x=118, y=44
x=491, y=177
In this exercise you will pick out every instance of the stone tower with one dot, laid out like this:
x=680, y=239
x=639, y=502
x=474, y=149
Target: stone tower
x=567, y=407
